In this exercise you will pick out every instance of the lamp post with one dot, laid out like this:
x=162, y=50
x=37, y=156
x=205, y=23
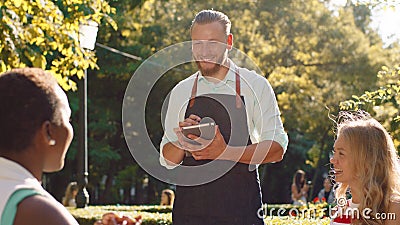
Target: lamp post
x=87, y=40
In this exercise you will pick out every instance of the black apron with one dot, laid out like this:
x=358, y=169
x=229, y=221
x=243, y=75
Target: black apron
x=234, y=198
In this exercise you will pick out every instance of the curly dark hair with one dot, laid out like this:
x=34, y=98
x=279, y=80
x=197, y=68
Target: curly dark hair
x=27, y=99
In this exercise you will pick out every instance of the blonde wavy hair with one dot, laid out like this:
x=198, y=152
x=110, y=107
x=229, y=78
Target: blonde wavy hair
x=375, y=160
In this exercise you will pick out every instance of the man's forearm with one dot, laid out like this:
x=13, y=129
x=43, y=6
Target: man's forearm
x=173, y=154
x=260, y=153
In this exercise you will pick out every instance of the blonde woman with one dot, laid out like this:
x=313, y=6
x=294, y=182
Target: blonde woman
x=365, y=161
x=70, y=195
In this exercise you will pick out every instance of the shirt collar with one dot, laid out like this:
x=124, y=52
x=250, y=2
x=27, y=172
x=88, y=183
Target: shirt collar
x=230, y=75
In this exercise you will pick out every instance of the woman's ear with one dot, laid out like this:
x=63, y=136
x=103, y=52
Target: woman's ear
x=46, y=133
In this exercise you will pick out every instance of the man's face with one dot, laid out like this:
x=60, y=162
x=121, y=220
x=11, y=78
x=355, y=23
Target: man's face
x=210, y=47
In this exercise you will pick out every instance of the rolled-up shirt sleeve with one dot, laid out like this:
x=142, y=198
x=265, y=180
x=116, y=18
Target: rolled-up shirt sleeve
x=267, y=122
x=176, y=111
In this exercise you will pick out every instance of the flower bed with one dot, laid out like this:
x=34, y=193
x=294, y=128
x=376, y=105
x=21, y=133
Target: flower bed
x=151, y=215
x=161, y=215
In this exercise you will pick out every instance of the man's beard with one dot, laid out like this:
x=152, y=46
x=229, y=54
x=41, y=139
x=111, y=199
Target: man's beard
x=218, y=65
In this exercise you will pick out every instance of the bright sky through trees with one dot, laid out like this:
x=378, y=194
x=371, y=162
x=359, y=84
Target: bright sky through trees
x=388, y=24
x=386, y=21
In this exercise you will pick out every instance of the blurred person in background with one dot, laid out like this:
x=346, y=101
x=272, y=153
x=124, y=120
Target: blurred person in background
x=69, y=199
x=326, y=194
x=167, y=197
x=299, y=188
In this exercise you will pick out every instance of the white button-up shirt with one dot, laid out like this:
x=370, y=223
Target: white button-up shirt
x=263, y=115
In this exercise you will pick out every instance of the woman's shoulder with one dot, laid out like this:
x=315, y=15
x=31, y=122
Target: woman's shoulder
x=39, y=209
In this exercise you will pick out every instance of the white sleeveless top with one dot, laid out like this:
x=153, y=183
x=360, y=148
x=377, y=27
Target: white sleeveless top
x=14, y=177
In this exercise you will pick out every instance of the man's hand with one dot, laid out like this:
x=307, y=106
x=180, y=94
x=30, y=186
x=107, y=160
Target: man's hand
x=182, y=140
x=208, y=149
x=191, y=120
x=173, y=152
x=205, y=149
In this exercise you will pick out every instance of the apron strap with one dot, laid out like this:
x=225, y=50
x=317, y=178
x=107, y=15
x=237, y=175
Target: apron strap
x=194, y=91
x=238, y=99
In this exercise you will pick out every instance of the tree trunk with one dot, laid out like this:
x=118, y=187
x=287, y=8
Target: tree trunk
x=106, y=195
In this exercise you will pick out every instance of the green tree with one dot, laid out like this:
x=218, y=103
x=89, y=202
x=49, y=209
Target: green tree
x=45, y=34
x=382, y=101
x=313, y=56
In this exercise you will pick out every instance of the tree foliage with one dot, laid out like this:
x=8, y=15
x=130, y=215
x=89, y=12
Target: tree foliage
x=383, y=100
x=45, y=34
x=314, y=57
